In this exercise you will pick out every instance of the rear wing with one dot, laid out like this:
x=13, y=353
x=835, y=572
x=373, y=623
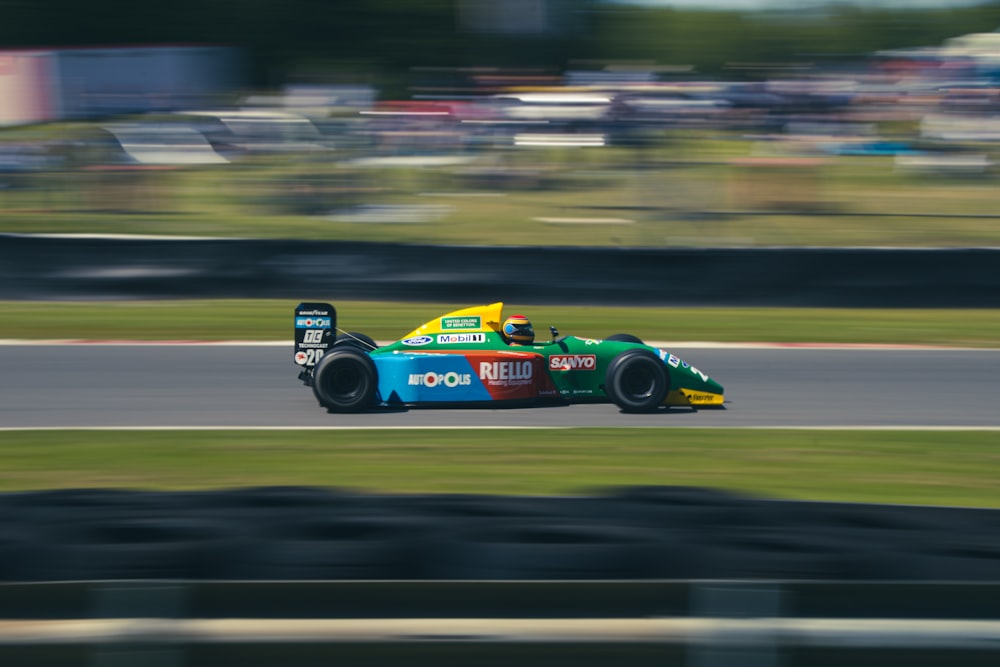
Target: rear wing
x=315, y=324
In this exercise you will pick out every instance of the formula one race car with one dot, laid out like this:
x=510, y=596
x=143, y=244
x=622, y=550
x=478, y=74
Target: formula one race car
x=465, y=358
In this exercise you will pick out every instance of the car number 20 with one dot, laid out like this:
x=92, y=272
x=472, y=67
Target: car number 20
x=309, y=357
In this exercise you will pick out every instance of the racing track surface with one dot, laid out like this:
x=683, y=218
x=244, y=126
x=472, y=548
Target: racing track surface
x=651, y=533
x=107, y=385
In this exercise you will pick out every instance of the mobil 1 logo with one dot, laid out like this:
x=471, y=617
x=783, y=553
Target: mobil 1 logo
x=314, y=327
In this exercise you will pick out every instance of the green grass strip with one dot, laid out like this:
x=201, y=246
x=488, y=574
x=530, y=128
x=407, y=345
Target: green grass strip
x=263, y=320
x=913, y=467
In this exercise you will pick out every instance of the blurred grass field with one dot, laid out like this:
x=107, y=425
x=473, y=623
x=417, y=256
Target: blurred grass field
x=682, y=189
x=271, y=320
x=908, y=467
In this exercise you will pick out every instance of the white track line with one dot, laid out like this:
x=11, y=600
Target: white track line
x=776, y=427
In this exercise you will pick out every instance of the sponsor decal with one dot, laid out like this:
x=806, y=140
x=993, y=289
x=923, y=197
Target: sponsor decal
x=465, y=322
x=431, y=379
x=313, y=322
x=417, y=340
x=701, y=398
x=309, y=357
x=313, y=336
x=703, y=376
x=454, y=339
x=675, y=362
x=506, y=373
x=573, y=362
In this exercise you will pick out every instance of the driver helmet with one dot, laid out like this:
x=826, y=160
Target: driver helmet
x=517, y=329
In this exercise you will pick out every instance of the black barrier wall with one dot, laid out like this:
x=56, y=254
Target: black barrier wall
x=298, y=533
x=106, y=268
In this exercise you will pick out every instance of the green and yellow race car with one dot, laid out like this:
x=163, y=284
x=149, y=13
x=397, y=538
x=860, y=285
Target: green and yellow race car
x=475, y=356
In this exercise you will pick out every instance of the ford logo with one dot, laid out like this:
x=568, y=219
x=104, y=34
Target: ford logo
x=417, y=340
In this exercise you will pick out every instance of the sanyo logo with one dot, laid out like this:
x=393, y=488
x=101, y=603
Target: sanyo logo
x=573, y=362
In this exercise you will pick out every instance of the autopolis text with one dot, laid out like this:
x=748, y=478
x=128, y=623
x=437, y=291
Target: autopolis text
x=309, y=322
x=432, y=379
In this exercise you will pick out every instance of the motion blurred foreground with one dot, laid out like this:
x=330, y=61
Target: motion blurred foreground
x=292, y=533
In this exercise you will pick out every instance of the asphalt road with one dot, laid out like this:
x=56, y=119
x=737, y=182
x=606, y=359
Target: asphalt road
x=155, y=385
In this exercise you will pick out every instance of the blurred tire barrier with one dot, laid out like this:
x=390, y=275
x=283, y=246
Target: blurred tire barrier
x=442, y=623
x=134, y=548
x=331, y=547
x=39, y=267
x=287, y=533
x=551, y=549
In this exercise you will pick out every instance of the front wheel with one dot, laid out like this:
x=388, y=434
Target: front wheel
x=345, y=380
x=637, y=381
x=624, y=338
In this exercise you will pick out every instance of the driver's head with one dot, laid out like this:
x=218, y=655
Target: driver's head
x=517, y=329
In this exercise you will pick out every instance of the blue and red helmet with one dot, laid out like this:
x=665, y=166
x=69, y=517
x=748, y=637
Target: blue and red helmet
x=518, y=329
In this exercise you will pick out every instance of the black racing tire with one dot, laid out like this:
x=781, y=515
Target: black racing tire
x=345, y=380
x=97, y=547
x=624, y=338
x=637, y=381
x=355, y=339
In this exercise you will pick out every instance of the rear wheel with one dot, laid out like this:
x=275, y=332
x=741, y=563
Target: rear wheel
x=358, y=340
x=345, y=380
x=637, y=381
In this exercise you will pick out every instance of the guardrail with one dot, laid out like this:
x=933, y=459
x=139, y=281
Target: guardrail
x=443, y=623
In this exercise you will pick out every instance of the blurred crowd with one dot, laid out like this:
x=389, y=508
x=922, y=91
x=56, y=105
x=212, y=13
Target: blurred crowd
x=937, y=104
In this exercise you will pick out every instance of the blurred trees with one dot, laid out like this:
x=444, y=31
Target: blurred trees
x=382, y=39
